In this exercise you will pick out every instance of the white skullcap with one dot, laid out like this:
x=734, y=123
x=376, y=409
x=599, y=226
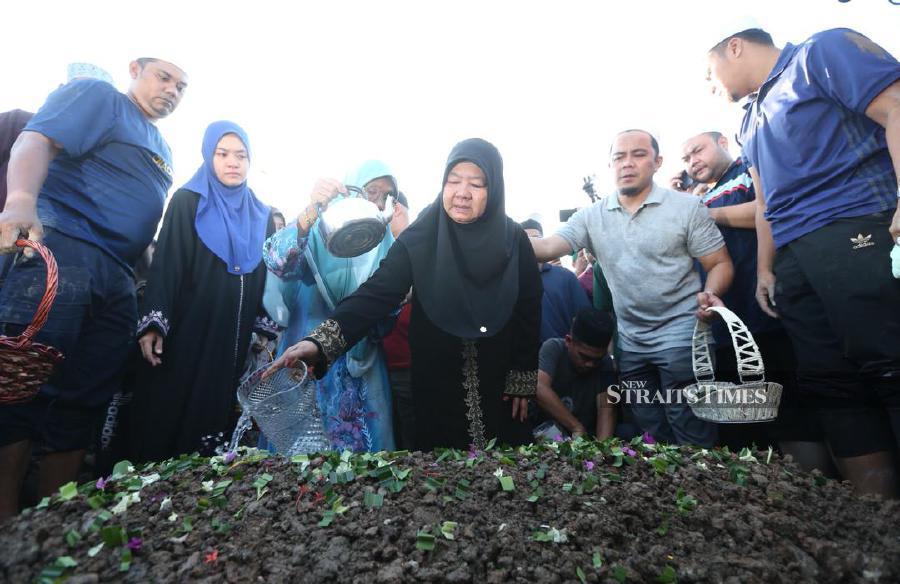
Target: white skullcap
x=81, y=69
x=158, y=55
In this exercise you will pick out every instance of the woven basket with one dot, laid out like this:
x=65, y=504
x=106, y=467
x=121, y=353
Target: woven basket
x=24, y=364
x=752, y=400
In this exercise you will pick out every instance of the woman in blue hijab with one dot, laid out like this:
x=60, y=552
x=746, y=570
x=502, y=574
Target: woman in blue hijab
x=354, y=397
x=203, y=300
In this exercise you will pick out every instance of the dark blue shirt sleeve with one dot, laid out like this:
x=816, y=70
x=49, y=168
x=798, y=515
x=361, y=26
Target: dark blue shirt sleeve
x=849, y=68
x=78, y=116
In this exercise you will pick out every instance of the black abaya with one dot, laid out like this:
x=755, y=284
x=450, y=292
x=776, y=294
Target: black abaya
x=206, y=315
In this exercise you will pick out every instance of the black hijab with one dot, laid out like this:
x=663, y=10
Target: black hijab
x=466, y=276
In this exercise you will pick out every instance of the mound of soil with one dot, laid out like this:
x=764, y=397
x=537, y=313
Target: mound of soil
x=553, y=512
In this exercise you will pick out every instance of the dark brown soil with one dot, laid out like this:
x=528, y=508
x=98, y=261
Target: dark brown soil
x=663, y=515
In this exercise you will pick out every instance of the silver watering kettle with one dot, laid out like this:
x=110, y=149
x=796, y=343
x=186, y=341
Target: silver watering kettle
x=353, y=225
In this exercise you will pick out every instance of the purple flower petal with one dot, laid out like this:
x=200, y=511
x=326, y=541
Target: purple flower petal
x=648, y=438
x=588, y=465
x=558, y=438
x=135, y=543
x=101, y=483
x=630, y=452
x=229, y=456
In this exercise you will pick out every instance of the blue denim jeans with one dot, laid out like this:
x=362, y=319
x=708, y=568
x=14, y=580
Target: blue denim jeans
x=663, y=374
x=92, y=322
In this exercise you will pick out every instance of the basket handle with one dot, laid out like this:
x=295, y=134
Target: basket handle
x=749, y=359
x=43, y=310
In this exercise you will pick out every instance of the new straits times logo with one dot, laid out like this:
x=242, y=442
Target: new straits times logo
x=638, y=392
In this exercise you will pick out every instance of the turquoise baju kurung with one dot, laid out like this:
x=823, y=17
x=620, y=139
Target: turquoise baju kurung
x=354, y=396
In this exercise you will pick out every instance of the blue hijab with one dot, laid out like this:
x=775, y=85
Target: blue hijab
x=230, y=221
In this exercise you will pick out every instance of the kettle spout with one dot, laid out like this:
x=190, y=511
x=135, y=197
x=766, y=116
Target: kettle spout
x=387, y=214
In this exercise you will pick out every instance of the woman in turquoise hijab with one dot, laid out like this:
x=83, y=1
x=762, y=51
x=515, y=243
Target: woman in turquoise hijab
x=354, y=396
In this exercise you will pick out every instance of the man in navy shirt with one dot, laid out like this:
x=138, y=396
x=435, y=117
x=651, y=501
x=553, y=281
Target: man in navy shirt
x=726, y=188
x=822, y=137
x=88, y=176
x=563, y=294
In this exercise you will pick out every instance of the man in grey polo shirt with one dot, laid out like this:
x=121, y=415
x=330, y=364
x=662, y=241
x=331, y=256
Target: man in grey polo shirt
x=646, y=238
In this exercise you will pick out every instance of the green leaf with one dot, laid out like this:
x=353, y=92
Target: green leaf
x=424, y=541
x=580, y=573
x=433, y=484
x=96, y=501
x=95, y=550
x=68, y=491
x=373, y=499
x=125, y=560
x=619, y=574
x=490, y=444
x=72, y=538
x=507, y=483
x=541, y=536
x=596, y=560
x=667, y=576
x=447, y=528
x=113, y=535
x=66, y=562
x=122, y=468
x=186, y=525
x=663, y=527
x=45, y=502
x=327, y=518
x=220, y=487
x=337, y=507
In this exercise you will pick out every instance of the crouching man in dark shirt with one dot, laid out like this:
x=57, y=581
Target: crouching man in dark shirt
x=573, y=376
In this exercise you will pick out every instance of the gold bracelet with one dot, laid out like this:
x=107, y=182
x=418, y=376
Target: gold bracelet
x=309, y=221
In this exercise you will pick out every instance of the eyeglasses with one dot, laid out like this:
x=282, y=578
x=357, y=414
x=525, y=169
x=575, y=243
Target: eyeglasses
x=373, y=194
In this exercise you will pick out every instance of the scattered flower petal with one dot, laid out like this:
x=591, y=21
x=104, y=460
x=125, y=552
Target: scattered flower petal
x=648, y=438
x=101, y=483
x=629, y=451
x=558, y=438
x=135, y=543
x=588, y=465
x=211, y=557
x=229, y=457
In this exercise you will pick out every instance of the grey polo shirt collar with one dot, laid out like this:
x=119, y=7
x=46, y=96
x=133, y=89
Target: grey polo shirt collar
x=654, y=198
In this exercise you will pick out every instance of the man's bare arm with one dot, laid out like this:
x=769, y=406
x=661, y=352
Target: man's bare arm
x=29, y=160
x=885, y=111
x=719, y=271
x=765, y=251
x=550, y=403
x=742, y=216
x=606, y=417
x=550, y=248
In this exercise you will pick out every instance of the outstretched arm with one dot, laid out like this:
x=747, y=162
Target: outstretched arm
x=550, y=248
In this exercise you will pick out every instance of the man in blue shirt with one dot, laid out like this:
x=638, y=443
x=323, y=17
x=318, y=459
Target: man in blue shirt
x=822, y=137
x=563, y=294
x=88, y=176
x=726, y=188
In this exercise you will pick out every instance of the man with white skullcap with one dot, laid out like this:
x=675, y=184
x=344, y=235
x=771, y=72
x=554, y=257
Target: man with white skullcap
x=821, y=134
x=88, y=175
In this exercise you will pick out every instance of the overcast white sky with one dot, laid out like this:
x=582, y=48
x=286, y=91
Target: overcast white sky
x=321, y=87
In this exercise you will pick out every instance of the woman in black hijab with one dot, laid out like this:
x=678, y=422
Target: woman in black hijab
x=476, y=312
